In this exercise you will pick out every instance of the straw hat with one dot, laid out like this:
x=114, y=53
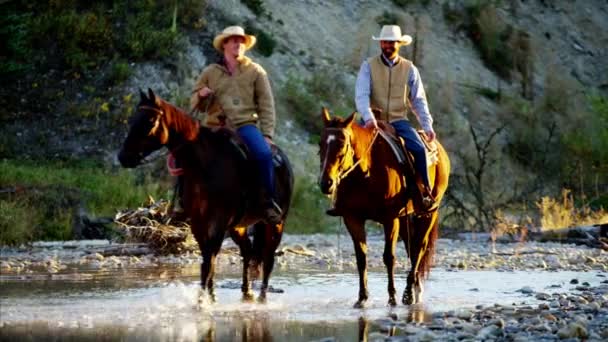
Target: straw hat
x=233, y=31
x=393, y=33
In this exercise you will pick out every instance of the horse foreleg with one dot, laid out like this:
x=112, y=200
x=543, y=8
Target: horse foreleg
x=356, y=228
x=210, y=250
x=418, y=289
x=239, y=236
x=271, y=242
x=405, y=230
x=391, y=231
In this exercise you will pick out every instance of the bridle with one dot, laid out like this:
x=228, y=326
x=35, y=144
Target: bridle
x=349, y=151
x=152, y=157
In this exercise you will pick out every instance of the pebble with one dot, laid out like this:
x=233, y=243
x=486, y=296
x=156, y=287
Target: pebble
x=580, y=312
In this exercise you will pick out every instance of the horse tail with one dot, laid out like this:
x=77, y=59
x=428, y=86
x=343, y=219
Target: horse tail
x=427, y=240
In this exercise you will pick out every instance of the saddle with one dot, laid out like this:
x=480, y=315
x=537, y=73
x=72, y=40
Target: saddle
x=215, y=119
x=397, y=144
x=406, y=160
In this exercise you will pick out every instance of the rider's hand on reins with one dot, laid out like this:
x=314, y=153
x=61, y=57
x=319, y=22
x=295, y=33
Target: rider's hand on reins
x=204, y=92
x=372, y=123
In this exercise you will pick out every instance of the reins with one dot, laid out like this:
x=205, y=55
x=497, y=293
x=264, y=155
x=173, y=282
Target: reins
x=352, y=167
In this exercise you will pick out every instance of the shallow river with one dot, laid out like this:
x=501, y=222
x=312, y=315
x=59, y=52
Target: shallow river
x=159, y=303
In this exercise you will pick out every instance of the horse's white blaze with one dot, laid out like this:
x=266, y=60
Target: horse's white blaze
x=330, y=138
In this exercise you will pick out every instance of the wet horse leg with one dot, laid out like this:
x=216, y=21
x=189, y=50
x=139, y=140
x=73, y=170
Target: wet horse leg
x=239, y=236
x=210, y=248
x=420, y=257
x=408, y=236
x=391, y=231
x=356, y=228
x=273, y=234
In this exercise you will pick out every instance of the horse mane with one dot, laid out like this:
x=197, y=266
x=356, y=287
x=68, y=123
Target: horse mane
x=180, y=120
x=362, y=138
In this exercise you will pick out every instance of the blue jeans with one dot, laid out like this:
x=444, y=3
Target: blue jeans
x=259, y=149
x=414, y=144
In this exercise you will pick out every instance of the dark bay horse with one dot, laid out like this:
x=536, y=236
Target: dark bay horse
x=221, y=190
x=359, y=168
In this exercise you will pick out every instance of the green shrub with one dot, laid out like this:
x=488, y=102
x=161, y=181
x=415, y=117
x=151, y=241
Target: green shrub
x=402, y=3
x=120, y=72
x=14, y=32
x=74, y=37
x=501, y=46
x=306, y=97
x=81, y=40
x=491, y=37
x=387, y=18
x=307, y=212
x=265, y=41
x=256, y=6
x=142, y=40
x=17, y=222
x=587, y=146
x=49, y=193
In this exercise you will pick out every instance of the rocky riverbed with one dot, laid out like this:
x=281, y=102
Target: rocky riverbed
x=575, y=310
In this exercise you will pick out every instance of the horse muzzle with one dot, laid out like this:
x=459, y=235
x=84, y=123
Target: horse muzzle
x=327, y=186
x=127, y=160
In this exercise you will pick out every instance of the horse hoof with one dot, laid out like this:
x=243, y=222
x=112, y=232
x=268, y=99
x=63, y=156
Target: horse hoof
x=392, y=301
x=212, y=298
x=205, y=299
x=262, y=299
x=360, y=304
x=407, y=300
x=248, y=297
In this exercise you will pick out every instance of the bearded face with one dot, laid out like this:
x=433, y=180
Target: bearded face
x=390, y=49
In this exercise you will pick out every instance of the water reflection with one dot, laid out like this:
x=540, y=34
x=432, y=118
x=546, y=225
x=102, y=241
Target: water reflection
x=314, y=306
x=389, y=326
x=243, y=328
x=417, y=313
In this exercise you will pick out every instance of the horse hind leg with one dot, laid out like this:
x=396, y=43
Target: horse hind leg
x=421, y=248
x=418, y=290
x=271, y=234
x=239, y=236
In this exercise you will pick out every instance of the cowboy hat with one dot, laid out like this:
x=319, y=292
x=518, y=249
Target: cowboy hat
x=393, y=33
x=230, y=31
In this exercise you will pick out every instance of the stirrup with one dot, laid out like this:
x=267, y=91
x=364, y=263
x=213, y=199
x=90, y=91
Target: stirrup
x=273, y=213
x=428, y=204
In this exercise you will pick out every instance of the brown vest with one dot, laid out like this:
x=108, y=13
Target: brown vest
x=389, y=87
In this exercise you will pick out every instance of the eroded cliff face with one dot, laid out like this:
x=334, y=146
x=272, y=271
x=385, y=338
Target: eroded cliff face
x=559, y=44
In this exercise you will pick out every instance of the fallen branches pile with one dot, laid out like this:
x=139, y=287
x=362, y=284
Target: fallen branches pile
x=155, y=227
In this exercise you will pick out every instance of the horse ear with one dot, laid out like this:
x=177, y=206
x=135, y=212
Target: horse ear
x=325, y=116
x=143, y=95
x=349, y=120
x=151, y=95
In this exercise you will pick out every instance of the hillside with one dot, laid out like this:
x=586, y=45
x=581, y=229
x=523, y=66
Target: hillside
x=518, y=89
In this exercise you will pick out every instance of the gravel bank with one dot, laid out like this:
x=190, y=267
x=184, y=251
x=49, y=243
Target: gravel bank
x=580, y=314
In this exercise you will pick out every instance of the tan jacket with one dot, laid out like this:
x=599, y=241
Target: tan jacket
x=389, y=90
x=243, y=98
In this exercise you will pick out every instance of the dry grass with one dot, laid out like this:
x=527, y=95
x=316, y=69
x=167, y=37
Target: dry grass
x=562, y=213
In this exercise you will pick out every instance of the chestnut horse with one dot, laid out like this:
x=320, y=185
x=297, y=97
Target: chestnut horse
x=360, y=169
x=221, y=186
